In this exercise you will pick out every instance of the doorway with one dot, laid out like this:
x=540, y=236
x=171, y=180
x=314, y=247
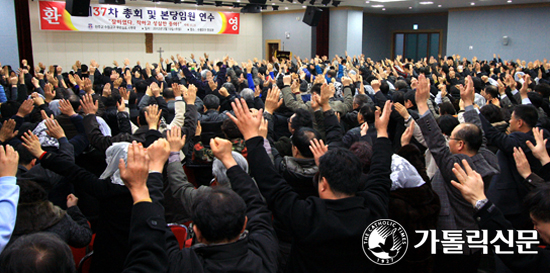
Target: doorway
x=271, y=47
x=416, y=44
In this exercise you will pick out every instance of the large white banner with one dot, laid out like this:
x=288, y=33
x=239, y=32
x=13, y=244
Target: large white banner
x=115, y=18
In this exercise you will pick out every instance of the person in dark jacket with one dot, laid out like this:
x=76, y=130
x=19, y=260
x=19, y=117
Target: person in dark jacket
x=332, y=224
x=490, y=218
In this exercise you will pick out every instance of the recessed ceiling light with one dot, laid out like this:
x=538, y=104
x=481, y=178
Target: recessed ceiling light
x=509, y=1
x=384, y=9
x=410, y=7
x=286, y=7
x=304, y=7
x=273, y=4
x=438, y=6
x=388, y=1
x=238, y=0
x=472, y=4
x=367, y=2
x=377, y=6
x=426, y=3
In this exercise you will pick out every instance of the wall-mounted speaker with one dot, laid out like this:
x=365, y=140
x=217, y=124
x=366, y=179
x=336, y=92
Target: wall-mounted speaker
x=312, y=16
x=505, y=40
x=78, y=7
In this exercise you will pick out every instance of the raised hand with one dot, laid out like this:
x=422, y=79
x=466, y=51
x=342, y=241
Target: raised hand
x=31, y=142
x=318, y=148
x=222, y=150
x=26, y=108
x=88, y=104
x=54, y=129
x=467, y=92
x=152, y=116
x=407, y=135
x=135, y=172
x=264, y=128
x=471, y=183
x=422, y=94
x=6, y=132
x=176, y=140
x=223, y=92
x=72, y=200
x=402, y=110
x=158, y=153
x=272, y=100
x=381, y=119
x=66, y=108
x=539, y=150
x=248, y=125
x=190, y=95
x=9, y=160
x=524, y=169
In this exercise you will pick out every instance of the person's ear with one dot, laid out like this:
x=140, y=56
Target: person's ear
x=138, y=123
x=204, y=108
x=33, y=162
x=520, y=123
x=218, y=109
x=245, y=222
x=323, y=186
x=198, y=234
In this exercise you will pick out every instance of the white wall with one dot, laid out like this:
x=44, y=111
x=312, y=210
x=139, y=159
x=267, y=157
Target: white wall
x=275, y=26
x=8, y=35
x=65, y=47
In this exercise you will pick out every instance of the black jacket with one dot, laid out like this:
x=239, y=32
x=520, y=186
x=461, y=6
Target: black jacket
x=255, y=251
x=327, y=233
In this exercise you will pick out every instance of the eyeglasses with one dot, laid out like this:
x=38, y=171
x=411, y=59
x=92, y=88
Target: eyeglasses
x=455, y=139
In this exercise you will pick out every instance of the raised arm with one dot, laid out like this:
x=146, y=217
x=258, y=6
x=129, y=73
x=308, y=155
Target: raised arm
x=9, y=193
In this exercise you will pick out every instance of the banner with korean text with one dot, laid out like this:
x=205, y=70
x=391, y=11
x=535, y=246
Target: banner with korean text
x=115, y=18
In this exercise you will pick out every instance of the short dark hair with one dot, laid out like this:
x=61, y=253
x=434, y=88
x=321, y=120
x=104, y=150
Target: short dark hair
x=168, y=93
x=41, y=252
x=398, y=96
x=363, y=151
x=25, y=157
x=447, y=124
x=447, y=108
x=535, y=98
x=538, y=202
x=230, y=129
x=211, y=102
x=9, y=108
x=527, y=113
x=342, y=170
x=491, y=90
x=302, y=118
x=367, y=111
x=492, y=113
x=401, y=85
x=472, y=135
x=361, y=99
x=543, y=89
x=301, y=139
x=384, y=87
x=219, y=214
x=316, y=88
x=411, y=95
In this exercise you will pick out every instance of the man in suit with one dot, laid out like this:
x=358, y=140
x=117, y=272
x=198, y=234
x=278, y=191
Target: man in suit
x=466, y=143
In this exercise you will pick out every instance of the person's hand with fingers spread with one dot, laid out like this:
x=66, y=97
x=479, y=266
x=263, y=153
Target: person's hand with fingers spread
x=176, y=140
x=31, y=142
x=222, y=149
x=152, y=116
x=318, y=148
x=422, y=94
x=72, y=200
x=381, y=120
x=315, y=102
x=467, y=92
x=522, y=164
x=272, y=100
x=135, y=172
x=402, y=110
x=190, y=95
x=248, y=125
x=88, y=104
x=539, y=150
x=326, y=94
x=364, y=128
x=407, y=135
x=470, y=183
x=66, y=108
x=9, y=160
x=26, y=108
x=54, y=130
x=6, y=132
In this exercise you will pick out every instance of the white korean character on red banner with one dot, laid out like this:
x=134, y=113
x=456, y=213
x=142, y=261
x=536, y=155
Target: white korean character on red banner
x=478, y=239
x=234, y=23
x=527, y=239
x=51, y=15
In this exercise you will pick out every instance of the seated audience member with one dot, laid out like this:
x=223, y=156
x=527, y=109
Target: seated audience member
x=489, y=217
x=211, y=110
x=338, y=184
x=36, y=214
x=466, y=142
x=9, y=193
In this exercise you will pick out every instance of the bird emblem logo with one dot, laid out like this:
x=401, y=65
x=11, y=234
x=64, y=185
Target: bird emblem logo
x=385, y=242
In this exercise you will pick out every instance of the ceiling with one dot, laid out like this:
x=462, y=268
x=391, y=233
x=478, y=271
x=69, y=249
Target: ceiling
x=370, y=6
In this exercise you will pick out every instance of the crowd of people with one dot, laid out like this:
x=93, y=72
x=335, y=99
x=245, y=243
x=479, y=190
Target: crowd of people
x=273, y=165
